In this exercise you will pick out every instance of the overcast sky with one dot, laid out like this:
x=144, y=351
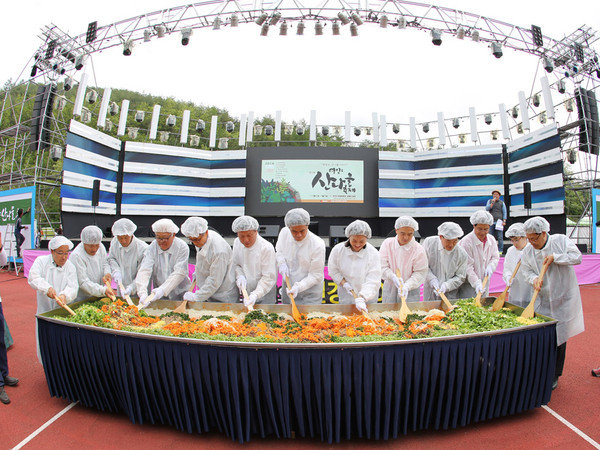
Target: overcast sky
x=388, y=71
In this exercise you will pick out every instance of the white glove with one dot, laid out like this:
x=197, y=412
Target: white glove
x=397, y=281
x=293, y=291
x=507, y=280
x=142, y=303
x=348, y=287
x=117, y=277
x=158, y=293
x=435, y=284
x=189, y=296
x=250, y=301
x=443, y=288
x=241, y=282
x=478, y=287
x=284, y=271
x=404, y=291
x=361, y=304
x=127, y=290
x=489, y=271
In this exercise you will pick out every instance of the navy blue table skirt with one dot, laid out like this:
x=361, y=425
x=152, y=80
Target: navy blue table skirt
x=331, y=393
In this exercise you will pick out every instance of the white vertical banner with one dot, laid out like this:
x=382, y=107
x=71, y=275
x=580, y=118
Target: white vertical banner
x=212, y=140
x=104, y=107
x=441, y=129
x=375, y=120
x=313, y=126
x=524, y=111
x=185, y=124
x=383, y=131
x=277, y=126
x=413, y=133
x=348, y=127
x=78, y=106
x=250, y=129
x=548, y=103
x=504, y=121
x=154, y=122
x=473, y=118
x=123, y=117
x=243, y=124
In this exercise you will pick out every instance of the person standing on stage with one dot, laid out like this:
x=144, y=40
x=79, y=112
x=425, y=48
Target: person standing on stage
x=165, y=263
x=19, y=238
x=125, y=254
x=5, y=379
x=559, y=295
x=300, y=256
x=355, y=267
x=93, y=271
x=497, y=209
x=483, y=255
x=520, y=290
x=405, y=254
x=447, y=260
x=254, y=262
x=214, y=273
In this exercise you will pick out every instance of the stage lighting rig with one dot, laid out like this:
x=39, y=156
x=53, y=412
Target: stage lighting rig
x=147, y=35
x=268, y=130
x=356, y=18
x=217, y=23
x=113, y=109
x=536, y=33
x=139, y=116
x=401, y=23
x=396, y=128
x=299, y=130
x=383, y=22
x=79, y=61
x=318, y=29
x=160, y=31
x=300, y=28
x=356, y=131
x=515, y=112
x=487, y=119
x=535, y=100
x=335, y=28
x=275, y=18
x=92, y=96
x=68, y=84
x=229, y=126
x=264, y=30
x=426, y=127
x=185, y=36
x=475, y=36
x=283, y=28
x=234, y=20
x=460, y=33
x=353, y=30
x=200, y=125
x=127, y=47
x=343, y=18
x=561, y=86
x=436, y=36
x=325, y=131
x=456, y=122
x=261, y=19
x=496, y=49
x=171, y=120
x=548, y=64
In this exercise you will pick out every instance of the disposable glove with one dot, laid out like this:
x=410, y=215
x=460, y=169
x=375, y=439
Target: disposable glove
x=489, y=270
x=189, y=296
x=250, y=301
x=117, y=277
x=435, y=284
x=478, y=287
x=397, y=281
x=443, y=288
x=142, y=303
x=293, y=291
x=361, y=304
x=404, y=292
x=158, y=293
x=348, y=287
x=284, y=271
x=127, y=290
x=241, y=282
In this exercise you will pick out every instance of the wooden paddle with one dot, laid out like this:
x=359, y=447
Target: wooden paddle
x=125, y=296
x=404, y=310
x=355, y=295
x=181, y=308
x=295, y=313
x=499, y=302
x=113, y=297
x=528, y=312
x=445, y=299
x=64, y=305
x=478, y=297
x=245, y=294
x=148, y=300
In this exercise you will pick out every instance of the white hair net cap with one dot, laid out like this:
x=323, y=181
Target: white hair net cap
x=194, y=226
x=244, y=223
x=358, y=228
x=297, y=216
x=59, y=241
x=164, y=226
x=123, y=227
x=481, y=216
x=91, y=235
x=450, y=230
x=516, y=230
x=537, y=225
x=406, y=221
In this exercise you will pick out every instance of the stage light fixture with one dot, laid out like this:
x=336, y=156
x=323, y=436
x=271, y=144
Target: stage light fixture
x=185, y=36
x=496, y=49
x=318, y=29
x=562, y=88
x=335, y=28
x=520, y=128
x=171, y=120
x=86, y=115
x=343, y=18
x=401, y=23
x=430, y=143
x=569, y=104
x=234, y=20
x=572, y=156
x=217, y=23
x=396, y=128
x=543, y=118
x=79, y=61
x=300, y=29
x=127, y=47
x=436, y=36
x=400, y=144
x=300, y=130
x=92, y=96
x=426, y=127
x=261, y=19
x=356, y=18
x=258, y=130
x=200, y=125
x=460, y=33
x=548, y=64
x=353, y=30
x=113, y=109
x=579, y=55
x=264, y=30
x=356, y=131
x=229, y=126
x=268, y=130
x=536, y=34
x=132, y=132
x=487, y=119
x=275, y=18
x=160, y=31
x=535, y=100
x=50, y=49
x=283, y=28
x=163, y=136
x=34, y=70
x=55, y=153
x=194, y=140
x=575, y=70
x=68, y=84
x=515, y=112
x=223, y=143
x=383, y=22
x=90, y=36
x=325, y=131
x=475, y=36
x=456, y=122
x=139, y=116
x=61, y=102
x=147, y=35
x=494, y=135
x=462, y=138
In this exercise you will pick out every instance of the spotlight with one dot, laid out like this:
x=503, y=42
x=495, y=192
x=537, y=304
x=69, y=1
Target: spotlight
x=494, y=135
x=160, y=31
x=229, y=127
x=217, y=23
x=460, y=33
x=264, y=30
x=356, y=131
x=171, y=120
x=353, y=30
x=200, y=125
x=572, y=156
x=185, y=36
x=61, y=102
x=318, y=29
x=268, y=130
x=258, y=130
x=436, y=36
x=561, y=86
x=401, y=22
x=261, y=19
x=396, y=128
x=579, y=55
x=139, y=116
x=34, y=70
x=68, y=84
x=90, y=36
x=356, y=18
x=536, y=100
x=520, y=128
x=383, y=22
x=455, y=122
x=430, y=143
x=543, y=118
x=475, y=36
x=426, y=128
x=79, y=62
x=515, y=112
x=487, y=119
x=56, y=153
x=275, y=18
x=127, y=47
x=335, y=28
x=113, y=109
x=548, y=65
x=147, y=35
x=234, y=21
x=325, y=131
x=536, y=34
x=575, y=69
x=300, y=28
x=462, y=138
x=283, y=28
x=194, y=140
x=223, y=143
x=300, y=130
x=343, y=18
x=569, y=104
x=92, y=96
x=497, y=49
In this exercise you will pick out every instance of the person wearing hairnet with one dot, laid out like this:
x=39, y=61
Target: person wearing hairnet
x=93, y=271
x=520, y=290
x=214, y=272
x=447, y=262
x=482, y=249
x=53, y=277
x=403, y=253
x=165, y=263
x=559, y=295
x=125, y=254
x=254, y=262
x=300, y=255
x=355, y=267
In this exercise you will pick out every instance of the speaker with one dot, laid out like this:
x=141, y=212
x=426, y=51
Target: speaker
x=269, y=232
x=527, y=195
x=41, y=117
x=337, y=234
x=96, y=192
x=582, y=247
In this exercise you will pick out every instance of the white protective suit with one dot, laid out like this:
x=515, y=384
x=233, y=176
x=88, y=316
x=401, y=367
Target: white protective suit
x=306, y=263
x=448, y=267
x=214, y=272
x=361, y=269
x=559, y=297
x=44, y=274
x=126, y=260
x=90, y=270
x=258, y=265
x=520, y=291
x=480, y=256
x=411, y=259
x=167, y=269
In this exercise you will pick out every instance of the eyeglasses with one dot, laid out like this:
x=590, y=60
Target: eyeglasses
x=163, y=239
x=532, y=240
